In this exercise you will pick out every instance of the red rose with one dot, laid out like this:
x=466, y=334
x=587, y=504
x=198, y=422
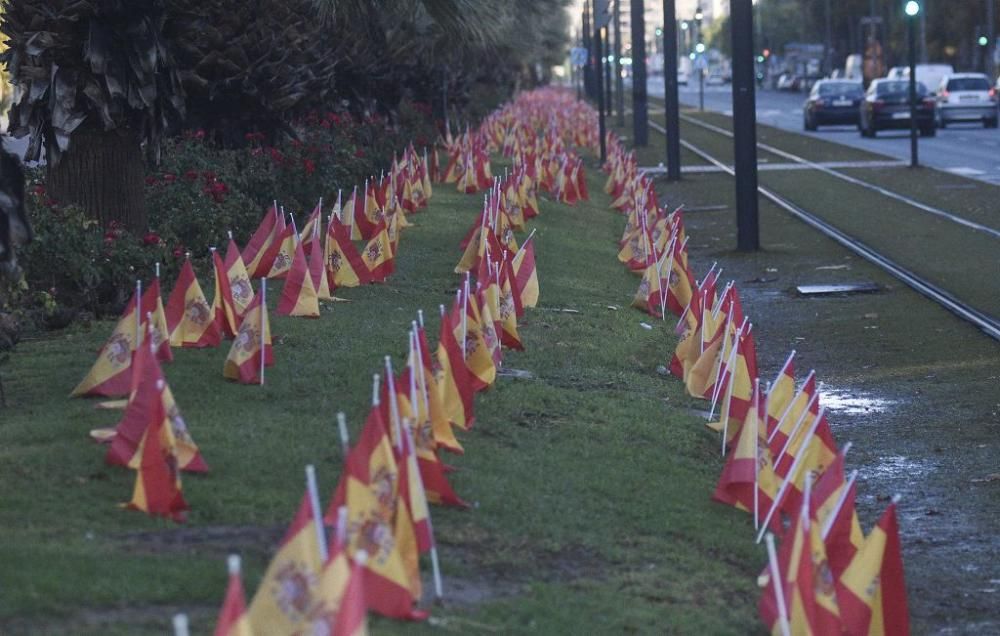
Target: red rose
x=359, y=153
x=169, y=177
x=191, y=175
x=276, y=155
x=152, y=181
x=151, y=238
x=179, y=251
x=39, y=190
x=199, y=134
x=309, y=166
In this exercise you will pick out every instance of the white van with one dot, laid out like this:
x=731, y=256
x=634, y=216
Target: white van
x=931, y=74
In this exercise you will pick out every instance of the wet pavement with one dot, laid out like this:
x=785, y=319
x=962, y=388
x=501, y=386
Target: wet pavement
x=916, y=391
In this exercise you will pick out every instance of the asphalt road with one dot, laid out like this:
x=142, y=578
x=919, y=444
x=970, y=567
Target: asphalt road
x=964, y=149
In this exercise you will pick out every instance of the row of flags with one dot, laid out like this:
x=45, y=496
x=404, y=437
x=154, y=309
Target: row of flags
x=152, y=436
x=782, y=464
x=377, y=523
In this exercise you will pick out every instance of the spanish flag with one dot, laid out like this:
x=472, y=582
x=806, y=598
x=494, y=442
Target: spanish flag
x=287, y=599
x=343, y=262
x=223, y=305
x=510, y=307
x=525, y=274
x=378, y=256
x=284, y=252
x=260, y=243
x=453, y=377
x=872, y=590
x=311, y=230
x=369, y=488
x=152, y=308
x=781, y=393
x=352, y=617
x=317, y=270
x=157, y=489
x=148, y=387
x=833, y=508
x=189, y=316
x=253, y=341
x=239, y=280
x=298, y=297
x=431, y=406
x=111, y=374
x=229, y=622
x=330, y=588
x=472, y=331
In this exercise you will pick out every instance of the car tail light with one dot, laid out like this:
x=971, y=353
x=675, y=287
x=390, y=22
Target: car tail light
x=878, y=105
x=819, y=104
x=993, y=94
x=944, y=93
x=928, y=102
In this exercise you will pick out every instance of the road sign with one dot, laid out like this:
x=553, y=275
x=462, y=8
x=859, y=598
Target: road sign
x=701, y=63
x=578, y=56
x=602, y=12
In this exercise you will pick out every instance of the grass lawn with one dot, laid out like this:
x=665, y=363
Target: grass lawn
x=590, y=482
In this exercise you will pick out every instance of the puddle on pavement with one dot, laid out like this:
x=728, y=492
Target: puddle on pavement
x=889, y=466
x=852, y=402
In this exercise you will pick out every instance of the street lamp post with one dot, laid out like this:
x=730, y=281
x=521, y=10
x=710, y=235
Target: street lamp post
x=699, y=48
x=670, y=97
x=912, y=9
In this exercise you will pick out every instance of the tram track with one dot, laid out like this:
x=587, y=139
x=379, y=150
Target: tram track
x=987, y=323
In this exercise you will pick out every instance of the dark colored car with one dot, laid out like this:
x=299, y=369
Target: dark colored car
x=832, y=102
x=886, y=106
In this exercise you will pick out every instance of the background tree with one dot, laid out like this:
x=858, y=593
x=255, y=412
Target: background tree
x=95, y=81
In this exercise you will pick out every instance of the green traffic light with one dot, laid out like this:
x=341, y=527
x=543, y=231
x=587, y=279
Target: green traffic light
x=659, y=31
x=760, y=59
x=912, y=8
x=983, y=41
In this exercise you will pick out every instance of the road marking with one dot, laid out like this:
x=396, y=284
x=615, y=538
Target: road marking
x=965, y=172
x=773, y=167
x=985, y=322
x=864, y=184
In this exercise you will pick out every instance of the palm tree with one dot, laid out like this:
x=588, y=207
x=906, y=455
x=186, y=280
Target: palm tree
x=94, y=81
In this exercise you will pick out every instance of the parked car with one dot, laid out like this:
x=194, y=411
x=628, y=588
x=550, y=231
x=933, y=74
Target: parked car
x=966, y=97
x=714, y=79
x=832, y=102
x=897, y=72
x=788, y=82
x=930, y=75
x=887, y=106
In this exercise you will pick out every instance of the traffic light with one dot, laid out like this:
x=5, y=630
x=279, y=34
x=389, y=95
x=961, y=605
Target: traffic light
x=983, y=40
x=760, y=59
x=766, y=53
x=659, y=31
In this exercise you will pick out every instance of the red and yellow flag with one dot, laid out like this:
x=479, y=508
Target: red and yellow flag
x=526, y=275
x=239, y=280
x=157, y=489
x=378, y=256
x=298, y=297
x=223, y=306
x=343, y=262
x=111, y=374
x=260, y=243
x=287, y=599
x=234, y=605
x=453, y=377
x=282, y=253
x=872, y=590
x=253, y=340
x=188, y=314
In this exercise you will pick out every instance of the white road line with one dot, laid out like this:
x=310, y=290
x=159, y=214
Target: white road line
x=864, y=184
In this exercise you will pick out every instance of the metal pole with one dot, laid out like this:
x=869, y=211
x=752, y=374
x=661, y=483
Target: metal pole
x=640, y=110
x=607, y=70
x=598, y=54
x=588, y=72
x=744, y=126
x=991, y=34
x=912, y=37
x=670, y=99
x=828, y=43
x=619, y=81
x=700, y=61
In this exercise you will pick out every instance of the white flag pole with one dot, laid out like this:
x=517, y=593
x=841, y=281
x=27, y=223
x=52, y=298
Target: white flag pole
x=233, y=564
x=798, y=426
x=393, y=403
x=756, y=461
x=419, y=354
x=138, y=313
x=419, y=481
x=317, y=513
x=345, y=440
x=790, y=478
x=788, y=408
x=375, y=386
x=776, y=581
x=181, y=625
x=341, y=530
x=263, y=309
x=828, y=523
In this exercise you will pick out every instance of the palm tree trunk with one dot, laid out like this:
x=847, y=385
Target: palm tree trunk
x=103, y=174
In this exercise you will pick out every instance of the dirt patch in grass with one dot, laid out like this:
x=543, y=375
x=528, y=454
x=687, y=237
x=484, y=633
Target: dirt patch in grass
x=210, y=541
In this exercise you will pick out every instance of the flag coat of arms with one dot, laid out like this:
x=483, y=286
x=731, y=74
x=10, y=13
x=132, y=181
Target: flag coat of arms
x=243, y=362
x=188, y=314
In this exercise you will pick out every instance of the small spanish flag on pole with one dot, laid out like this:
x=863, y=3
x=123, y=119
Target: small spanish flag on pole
x=251, y=350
